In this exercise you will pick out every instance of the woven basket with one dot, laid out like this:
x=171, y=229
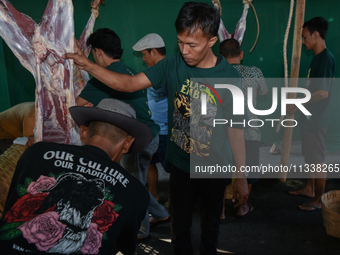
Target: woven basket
x=331, y=212
x=8, y=162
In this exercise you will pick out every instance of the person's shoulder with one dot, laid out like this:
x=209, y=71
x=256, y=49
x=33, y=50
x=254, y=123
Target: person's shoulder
x=41, y=148
x=257, y=71
x=249, y=71
x=47, y=146
x=173, y=59
x=177, y=56
x=28, y=104
x=330, y=55
x=252, y=68
x=121, y=67
x=325, y=59
x=165, y=65
x=230, y=69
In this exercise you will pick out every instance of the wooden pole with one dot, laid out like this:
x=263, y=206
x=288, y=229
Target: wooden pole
x=294, y=75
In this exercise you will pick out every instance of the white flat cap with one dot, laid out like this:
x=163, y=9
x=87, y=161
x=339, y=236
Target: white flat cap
x=150, y=41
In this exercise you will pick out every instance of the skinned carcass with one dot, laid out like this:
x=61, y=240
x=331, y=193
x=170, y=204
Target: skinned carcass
x=40, y=48
x=240, y=28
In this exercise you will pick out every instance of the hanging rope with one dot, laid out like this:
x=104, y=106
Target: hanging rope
x=285, y=54
x=258, y=26
x=286, y=41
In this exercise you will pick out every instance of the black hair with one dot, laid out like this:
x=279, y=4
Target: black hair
x=317, y=24
x=107, y=130
x=195, y=15
x=230, y=48
x=161, y=51
x=106, y=40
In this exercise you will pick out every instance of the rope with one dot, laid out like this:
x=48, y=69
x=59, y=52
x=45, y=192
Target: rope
x=217, y=5
x=286, y=41
x=258, y=26
x=285, y=54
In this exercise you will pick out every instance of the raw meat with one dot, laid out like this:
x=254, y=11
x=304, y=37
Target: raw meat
x=40, y=47
x=240, y=29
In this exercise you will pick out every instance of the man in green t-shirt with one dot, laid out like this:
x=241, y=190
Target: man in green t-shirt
x=107, y=51
x=197, y=26
x=314, y=127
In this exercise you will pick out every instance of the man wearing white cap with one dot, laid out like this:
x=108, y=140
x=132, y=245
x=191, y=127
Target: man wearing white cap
x=153, y=49
x=78, y=199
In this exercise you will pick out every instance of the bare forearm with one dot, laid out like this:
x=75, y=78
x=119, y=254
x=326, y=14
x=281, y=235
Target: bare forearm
x=315, y=97
x=318, y=96
x=118, y=81
x=237, y=145
x=81, y=101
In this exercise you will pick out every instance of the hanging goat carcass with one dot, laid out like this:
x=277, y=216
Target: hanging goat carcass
x=39, y=48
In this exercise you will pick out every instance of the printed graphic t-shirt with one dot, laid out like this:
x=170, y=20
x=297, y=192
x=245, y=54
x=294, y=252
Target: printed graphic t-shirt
x=184, y=98
x=67, y=199
x=95, y=91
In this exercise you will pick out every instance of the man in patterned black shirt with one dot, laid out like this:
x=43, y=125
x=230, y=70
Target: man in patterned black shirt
x=252, y=78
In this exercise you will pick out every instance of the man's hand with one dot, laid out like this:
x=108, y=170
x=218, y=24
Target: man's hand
x=78, y=57
x=237, y=145
x=30, y=141
x=240, y=191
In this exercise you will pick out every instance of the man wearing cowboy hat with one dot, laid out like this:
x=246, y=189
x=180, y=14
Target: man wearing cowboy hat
x=78, y=198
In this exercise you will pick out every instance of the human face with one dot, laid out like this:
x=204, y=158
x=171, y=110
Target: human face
x=308, y=39
x=196, y=48
x=148, y=58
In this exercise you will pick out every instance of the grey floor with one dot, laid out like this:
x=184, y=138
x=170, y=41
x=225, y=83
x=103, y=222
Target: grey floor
x=276, y=226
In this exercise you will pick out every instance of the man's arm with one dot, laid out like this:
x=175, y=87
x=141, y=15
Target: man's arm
x=28, y=124
x=81, y=101
x=237, y=145
x=316, y=96
x=117, y=81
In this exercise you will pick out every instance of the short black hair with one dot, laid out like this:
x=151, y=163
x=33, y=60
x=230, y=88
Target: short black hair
x=317, y=24
x=161, y=51
x=195, y=15
x=107, y=130
x=230, y=48
x=106, y=40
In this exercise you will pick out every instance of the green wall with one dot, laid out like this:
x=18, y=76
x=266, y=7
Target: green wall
x=132, y=19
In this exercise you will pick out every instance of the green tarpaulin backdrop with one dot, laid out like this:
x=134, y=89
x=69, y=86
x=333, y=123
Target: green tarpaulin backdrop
x=132, y=19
